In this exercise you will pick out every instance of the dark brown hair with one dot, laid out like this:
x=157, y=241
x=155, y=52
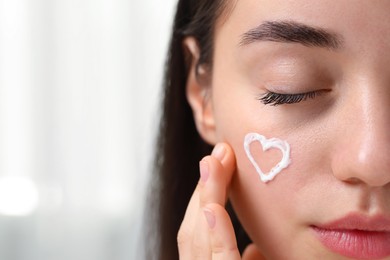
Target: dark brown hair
x=179, y=146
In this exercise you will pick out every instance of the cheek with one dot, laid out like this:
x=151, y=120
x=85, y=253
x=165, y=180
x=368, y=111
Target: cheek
x=263, y=208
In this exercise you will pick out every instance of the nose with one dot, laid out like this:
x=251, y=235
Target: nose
x=362, y=153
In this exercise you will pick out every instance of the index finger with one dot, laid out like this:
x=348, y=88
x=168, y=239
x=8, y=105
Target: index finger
x=219, y=168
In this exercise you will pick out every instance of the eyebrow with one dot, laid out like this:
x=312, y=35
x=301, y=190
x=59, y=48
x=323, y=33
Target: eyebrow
x=292, y=32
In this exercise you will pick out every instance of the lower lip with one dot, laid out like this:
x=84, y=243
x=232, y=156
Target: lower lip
x=355, y=243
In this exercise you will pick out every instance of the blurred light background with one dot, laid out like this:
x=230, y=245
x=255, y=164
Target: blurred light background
x=80, y=84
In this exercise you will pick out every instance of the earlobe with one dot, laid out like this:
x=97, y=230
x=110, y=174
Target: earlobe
x=198, y=91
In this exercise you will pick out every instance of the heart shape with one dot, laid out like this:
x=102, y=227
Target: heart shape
x=283, y=146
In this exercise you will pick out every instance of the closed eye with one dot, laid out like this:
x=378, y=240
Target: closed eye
x=276, y=99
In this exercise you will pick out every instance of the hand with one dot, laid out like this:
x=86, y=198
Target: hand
x=207, y=231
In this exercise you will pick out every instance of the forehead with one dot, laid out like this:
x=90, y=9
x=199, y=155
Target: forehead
x=361, y=22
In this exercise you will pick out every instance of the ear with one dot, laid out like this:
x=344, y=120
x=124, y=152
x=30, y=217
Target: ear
x=198, y=91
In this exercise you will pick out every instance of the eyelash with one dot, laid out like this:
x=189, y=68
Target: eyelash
x=276, y=99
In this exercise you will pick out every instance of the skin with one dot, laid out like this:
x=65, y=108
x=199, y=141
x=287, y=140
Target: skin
x=340, y=140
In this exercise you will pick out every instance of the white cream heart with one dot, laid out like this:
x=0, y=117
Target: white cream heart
x=267, y=144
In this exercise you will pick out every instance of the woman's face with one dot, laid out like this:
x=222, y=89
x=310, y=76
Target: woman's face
x=336, y=190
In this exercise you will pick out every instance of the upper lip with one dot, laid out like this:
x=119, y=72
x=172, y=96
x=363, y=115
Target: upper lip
x=356, y=221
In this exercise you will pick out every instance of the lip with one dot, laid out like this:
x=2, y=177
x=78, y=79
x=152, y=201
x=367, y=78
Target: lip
x=357, y=236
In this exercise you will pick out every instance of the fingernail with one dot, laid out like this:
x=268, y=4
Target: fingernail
x=210, y=217
x=204, y=170
x=219, y=152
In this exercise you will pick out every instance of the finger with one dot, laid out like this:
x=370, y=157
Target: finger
x=216, y=172
x=187, y=227
x=224, y=153
x=190, y=237
x=219, y=167
x=223, y=243
x=200, y=246
x=252, y=253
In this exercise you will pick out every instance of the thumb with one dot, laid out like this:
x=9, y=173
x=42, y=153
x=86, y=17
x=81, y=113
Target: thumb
x=252, y=253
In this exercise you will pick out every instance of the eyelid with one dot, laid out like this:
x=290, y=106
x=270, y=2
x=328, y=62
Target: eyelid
x=275, y=99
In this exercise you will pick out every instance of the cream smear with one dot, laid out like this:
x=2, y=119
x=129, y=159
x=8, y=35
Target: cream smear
x=276, y=143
